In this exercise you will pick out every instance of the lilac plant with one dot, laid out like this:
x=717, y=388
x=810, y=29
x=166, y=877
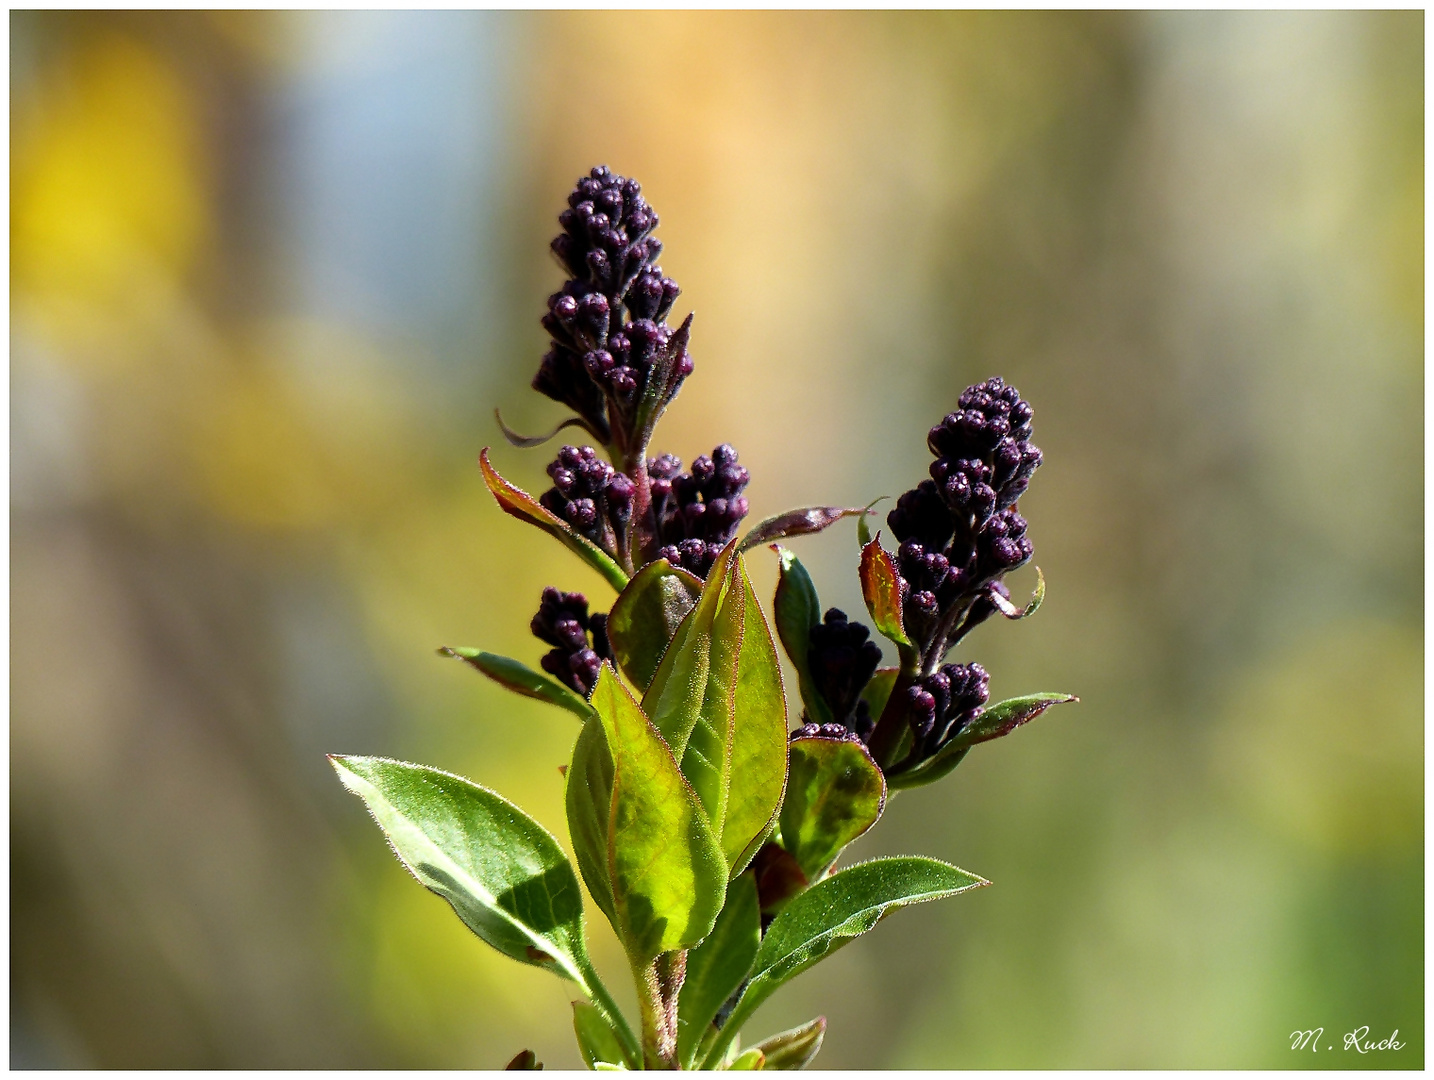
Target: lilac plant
x=705, y=831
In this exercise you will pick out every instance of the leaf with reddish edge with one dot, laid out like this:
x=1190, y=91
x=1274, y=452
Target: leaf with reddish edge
x=835, y=793
x=992, y=723
x=882, y=590
x=521, y=679
x=518, y=503
x=646, y=616
x=644, y=844
x=1010, y=610
x=802, y=522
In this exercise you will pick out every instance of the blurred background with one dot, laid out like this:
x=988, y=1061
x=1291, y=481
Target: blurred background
x=270, y=276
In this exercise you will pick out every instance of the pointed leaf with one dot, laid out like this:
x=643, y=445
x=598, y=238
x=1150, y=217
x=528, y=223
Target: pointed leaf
x=529, y=441
x=992, y=723
x=863, y=531
x=882, y=589
x=503, y=873
x=796, y=611
x=674, y=697
x=716, y=968
x=661, y=863
x=878, y=690
x=736, y=756
x=646, y=617
x=835, y=793
x=524, y=507
x=832, y=913
x=794, y=1049
x=662, y=383
x=750, y=1060
x=522, y=679
x=597, y=1041
x=1010, y=610
x=523, y=1061
x=803, y=522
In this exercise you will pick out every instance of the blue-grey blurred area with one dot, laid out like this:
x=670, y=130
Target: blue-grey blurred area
x=271, y=273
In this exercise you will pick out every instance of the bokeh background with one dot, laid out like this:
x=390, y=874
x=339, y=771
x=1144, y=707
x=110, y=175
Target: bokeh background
x=270, y=276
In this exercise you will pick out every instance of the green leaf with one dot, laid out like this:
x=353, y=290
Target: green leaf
x=674, y=697
x=716, y=968
x=832, y=913
x=644, y=844
x=863, y=531
x=736, y=755
x=608, y=1066
x=597, y=1041
x=524, y=507
x=803, y=522
x=992, y=723
x=647, y=615
x=522, y=679
x=1010, y=610
x=796, y=610
x=503, y=873
x=882, y=590
x=878, y=689
x=835, y=793
x=794, y=1049
x=749, y=1060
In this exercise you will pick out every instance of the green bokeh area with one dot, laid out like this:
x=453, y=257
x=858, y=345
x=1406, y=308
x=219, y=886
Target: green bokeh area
x=272, y=273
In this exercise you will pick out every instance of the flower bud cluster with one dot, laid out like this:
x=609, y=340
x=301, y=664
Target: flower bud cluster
x=824, y=731
x=608, y=321
x=960, y=530
x=842, y=659
x=590, y=495
x=564, y=623
x=940, y=705
x=696, y=514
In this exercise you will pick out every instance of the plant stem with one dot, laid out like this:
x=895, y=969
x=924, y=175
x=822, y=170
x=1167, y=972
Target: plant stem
x=658, y=985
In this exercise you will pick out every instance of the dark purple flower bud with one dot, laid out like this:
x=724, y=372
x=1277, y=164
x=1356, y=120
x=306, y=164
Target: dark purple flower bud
x=842, y=660
x=563, y=622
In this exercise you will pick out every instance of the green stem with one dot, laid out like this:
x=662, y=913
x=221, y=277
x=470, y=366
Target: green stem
x=604, y=1001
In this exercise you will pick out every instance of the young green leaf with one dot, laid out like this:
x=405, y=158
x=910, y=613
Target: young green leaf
x=647, y=615
x=835, y=793
x=716, y=968
x=1010, y=610
x=882, y=590
x=794, y=1049
x=796, y=610
x=803, y=522
x=518, y=503
x=597, y=1041
x=832, y=913
x=522, y=679
x=503, y=873
x=992, y=723
x=863, y=531
x=736, y=755
x=750, y=1060
x=644, y=844
x=878, y=690
x=674, y=697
